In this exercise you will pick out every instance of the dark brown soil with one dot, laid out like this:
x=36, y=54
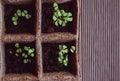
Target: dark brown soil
x=24, y=25
x=47, y=22
x=15, y=64
x=50, y=55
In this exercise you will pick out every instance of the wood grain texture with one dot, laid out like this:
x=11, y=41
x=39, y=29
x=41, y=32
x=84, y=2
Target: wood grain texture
x=1, y=42
x=18, y=37
x=19, y=77
x=57, y=37
x=100, y=40
x=17, y=1
x=58, y=1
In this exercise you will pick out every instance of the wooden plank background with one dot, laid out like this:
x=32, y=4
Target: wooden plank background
x=100, y=40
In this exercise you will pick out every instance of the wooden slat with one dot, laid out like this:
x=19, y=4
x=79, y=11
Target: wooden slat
x=17, y=1
x=57, y=37
x=18, y=37
x=2, y=69
x=100, y=44
x=19, y=77
x=58, y=1
x=64, y=76
x=38, y=41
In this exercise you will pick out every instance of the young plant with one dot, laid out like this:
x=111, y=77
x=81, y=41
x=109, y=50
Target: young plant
x=60, y=17
x=18, y=14
x=25, y=53
x=63, y=54
x=72, y=49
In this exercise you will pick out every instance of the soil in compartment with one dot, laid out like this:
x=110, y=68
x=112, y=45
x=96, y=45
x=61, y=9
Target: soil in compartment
x=15, y=64
x=24, y=25
x=50, y=58
x=47, y=22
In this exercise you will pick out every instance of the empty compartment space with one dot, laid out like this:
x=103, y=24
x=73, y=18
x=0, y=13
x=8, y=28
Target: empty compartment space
x=59, y=57
x=56, y=20
x=20, y=58
x=20, y=18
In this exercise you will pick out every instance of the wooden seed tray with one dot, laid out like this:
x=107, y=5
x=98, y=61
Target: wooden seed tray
x=40, y=38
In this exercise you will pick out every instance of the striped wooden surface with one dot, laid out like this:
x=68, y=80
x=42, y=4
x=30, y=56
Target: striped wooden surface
x=100, y=40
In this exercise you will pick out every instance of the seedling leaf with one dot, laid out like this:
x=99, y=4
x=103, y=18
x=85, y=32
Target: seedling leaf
x=65, y=21
x=65, y=51
x=65, y=14
x=70, y=19
x=66, y=58
x=19, y=50
x=59, y=13
x=18, y=11
x=56, y=15
x=25, y=61
x=60, y=60
x=65, y=63
x=15, y=23
x=32, y=55
x=61, y=57
x=63, y=24
x=15, y=14
x=69, y=14
x=26, y=48
x=17, y=45
x=60, y=47
x=27, y=16
x=23, y=14
x=62, y=11
x=60, y=53
x=23, y=54
x=30, y=51
x=19, y=14
x=14, y=19
x=60, y=22
x=72, y=49
x=26, y=56
x=25, y=11
x=56, y=23
x=55, y=5
x=64, y=46
x=17, y=54
x=54, y=18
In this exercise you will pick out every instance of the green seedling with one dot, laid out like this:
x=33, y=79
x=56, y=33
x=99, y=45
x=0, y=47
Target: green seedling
x=72, y=49
x=60, y=17
x=20, y=13
x=63, y=54
x=19, y=50
x=26, y=61
x=16, y=54
x=25, y=53
x=63, y=50
x=17, y=45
